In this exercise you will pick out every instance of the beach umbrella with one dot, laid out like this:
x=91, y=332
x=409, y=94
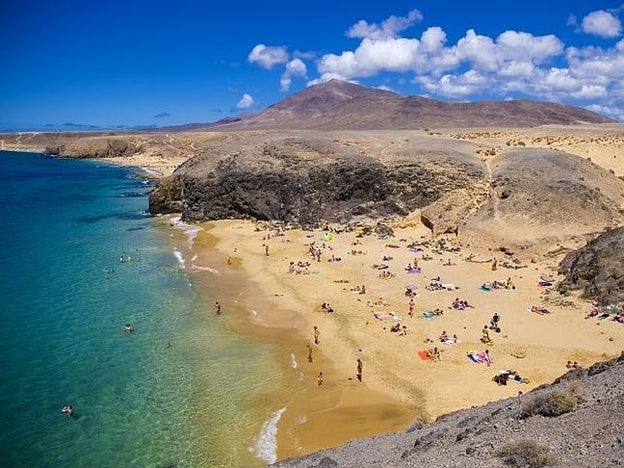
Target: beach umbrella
x=410, y=287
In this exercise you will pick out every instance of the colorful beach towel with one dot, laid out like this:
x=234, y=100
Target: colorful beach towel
x=386, y=316
x=424, y=355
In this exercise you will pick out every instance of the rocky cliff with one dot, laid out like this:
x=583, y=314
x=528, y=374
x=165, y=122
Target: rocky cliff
x=307, y=179
x=597, y=269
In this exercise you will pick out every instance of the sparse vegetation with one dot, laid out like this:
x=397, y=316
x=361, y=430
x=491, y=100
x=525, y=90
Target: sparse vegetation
x=551, y=404
x=527, y=453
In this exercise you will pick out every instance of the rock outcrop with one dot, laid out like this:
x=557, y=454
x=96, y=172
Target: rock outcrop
x=597, y=269
x=547, y=193
x=306, y=180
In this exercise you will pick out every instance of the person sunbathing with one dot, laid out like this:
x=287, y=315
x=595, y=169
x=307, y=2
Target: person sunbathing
x=434, y=354
x=380, y=302
x=443, y=336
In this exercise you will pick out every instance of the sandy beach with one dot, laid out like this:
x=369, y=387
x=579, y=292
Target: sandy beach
x=278, y=298
x=398, y=386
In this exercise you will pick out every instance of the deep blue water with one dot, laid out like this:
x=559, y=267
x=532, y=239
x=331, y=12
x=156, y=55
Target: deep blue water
x=163, y=395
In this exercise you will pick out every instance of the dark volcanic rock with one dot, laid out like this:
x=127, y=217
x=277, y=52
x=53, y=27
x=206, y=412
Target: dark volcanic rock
x=597, y=269
x=309, y=180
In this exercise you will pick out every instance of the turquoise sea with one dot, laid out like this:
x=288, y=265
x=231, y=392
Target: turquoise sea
x=171, y=393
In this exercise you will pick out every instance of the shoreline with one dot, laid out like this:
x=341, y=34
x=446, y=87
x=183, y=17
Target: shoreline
x=398, y=387
x=281, y=307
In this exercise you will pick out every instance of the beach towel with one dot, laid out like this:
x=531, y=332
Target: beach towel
x=424, y=355
x=471, y=358
x=414, y=270
x=387, y=316
x=449, y=286
x=485, y=288
x=428, y=315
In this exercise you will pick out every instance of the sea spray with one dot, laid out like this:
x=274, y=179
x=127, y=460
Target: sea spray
x=265, y=447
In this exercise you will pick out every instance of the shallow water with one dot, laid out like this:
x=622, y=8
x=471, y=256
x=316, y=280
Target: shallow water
x=183, y=389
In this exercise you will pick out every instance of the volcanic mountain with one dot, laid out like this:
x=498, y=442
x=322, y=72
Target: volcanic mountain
x=340, y=105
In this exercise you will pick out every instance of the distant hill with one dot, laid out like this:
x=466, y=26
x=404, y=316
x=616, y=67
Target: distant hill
x=340, y=105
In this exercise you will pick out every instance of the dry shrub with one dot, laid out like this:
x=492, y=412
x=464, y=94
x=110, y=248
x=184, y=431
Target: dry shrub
x=550, y=404
x=526, y=453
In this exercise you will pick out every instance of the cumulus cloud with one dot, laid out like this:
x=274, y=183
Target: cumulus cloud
x=295, y=67
x=514, y=63
x=511, y=51
x=245, y=102
x=268, y=57
x=602, y=23
x=390, y=27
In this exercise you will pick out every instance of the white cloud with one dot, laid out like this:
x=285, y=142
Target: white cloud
x=461, y=85
x=295, y=67
x=390, y=27
x=590, y=91
x=245, y=102
x=515, y=63
x=602, y=23
x=268, y=57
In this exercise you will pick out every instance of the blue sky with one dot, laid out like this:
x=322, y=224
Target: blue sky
x=161, y=63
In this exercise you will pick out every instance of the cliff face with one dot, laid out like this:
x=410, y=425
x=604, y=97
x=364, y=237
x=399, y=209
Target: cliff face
x=311, y=179
x=596, y=269
x=306, y=178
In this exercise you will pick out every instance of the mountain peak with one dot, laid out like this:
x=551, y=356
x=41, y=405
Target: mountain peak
x=343, y=105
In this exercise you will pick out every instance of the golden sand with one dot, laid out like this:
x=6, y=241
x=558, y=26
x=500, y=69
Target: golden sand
x=398, y=386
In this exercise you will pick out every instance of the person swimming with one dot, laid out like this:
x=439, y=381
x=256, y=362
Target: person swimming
x=67, y=410
x=129, y=327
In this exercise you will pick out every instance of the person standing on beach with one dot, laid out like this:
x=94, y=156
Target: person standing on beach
x=316, y=335
x=218, y=308
x=266, y=249
x=319, y=379
x=309, y=353
x=359, y=370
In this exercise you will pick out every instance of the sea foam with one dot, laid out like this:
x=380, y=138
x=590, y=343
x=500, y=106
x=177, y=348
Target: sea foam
x=265, y=447
x=179, y=256
x=214, y=271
